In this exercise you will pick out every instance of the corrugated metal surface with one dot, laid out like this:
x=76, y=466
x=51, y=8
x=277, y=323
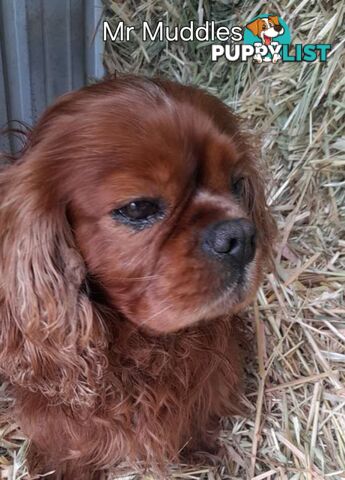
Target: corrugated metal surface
x=47, y=47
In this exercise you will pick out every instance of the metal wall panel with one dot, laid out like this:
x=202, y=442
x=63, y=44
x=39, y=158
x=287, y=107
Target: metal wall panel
x=47, y=47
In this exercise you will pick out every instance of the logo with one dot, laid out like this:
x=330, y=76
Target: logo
x=266, y=38
x=267, y=33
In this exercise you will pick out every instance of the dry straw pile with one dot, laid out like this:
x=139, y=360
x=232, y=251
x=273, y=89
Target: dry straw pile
x=296, y=392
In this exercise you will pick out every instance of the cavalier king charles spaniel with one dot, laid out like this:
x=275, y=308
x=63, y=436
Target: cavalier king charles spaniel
x=133, y=229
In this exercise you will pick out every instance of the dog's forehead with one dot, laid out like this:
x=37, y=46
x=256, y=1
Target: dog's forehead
x=161, y=171
x=158, y=151
x=171, y=158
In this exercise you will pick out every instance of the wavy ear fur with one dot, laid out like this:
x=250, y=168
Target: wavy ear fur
x=51, y=338
x=255, y=201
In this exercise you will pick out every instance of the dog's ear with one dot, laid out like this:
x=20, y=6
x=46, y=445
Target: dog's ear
x=274, y=19
x=51, y=339
x=254, y=198
x=254, y=27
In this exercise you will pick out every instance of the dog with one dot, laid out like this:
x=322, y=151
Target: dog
x=266, y=29
x=133, y=230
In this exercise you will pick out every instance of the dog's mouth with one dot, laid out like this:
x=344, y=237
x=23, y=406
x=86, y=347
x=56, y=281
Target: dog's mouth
x=267, y=40
x=236, y=289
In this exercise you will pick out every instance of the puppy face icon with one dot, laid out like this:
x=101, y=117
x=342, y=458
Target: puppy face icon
x=266, y=28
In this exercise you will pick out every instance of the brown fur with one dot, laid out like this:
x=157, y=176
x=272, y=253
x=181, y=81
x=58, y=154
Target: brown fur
x=121, y=345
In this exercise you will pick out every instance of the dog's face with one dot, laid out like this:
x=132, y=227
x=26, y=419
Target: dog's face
x=165, y=202
x=266, y=28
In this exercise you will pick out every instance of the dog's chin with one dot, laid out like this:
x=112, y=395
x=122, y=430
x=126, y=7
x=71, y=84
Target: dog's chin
x=231, y=300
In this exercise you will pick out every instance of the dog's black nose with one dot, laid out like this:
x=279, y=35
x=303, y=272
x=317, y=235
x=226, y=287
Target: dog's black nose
x=278, y=28
x=232, y=241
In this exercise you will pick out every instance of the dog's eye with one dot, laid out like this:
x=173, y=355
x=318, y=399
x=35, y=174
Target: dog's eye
x=237, y=186
x=139, y=210
x=264, y=27
x=139, y=213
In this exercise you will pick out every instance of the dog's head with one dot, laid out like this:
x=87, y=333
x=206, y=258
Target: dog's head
x=164, y=198
x=266, y=28
x=161, y=197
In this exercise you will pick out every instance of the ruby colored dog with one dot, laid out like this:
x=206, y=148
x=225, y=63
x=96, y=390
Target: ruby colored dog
x=133, y=229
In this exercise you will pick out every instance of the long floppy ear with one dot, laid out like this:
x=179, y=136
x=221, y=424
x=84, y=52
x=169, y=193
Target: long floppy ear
x=254, y=27
x=51, y=339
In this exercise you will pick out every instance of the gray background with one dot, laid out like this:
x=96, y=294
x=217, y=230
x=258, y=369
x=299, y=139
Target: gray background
x=46, y=49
